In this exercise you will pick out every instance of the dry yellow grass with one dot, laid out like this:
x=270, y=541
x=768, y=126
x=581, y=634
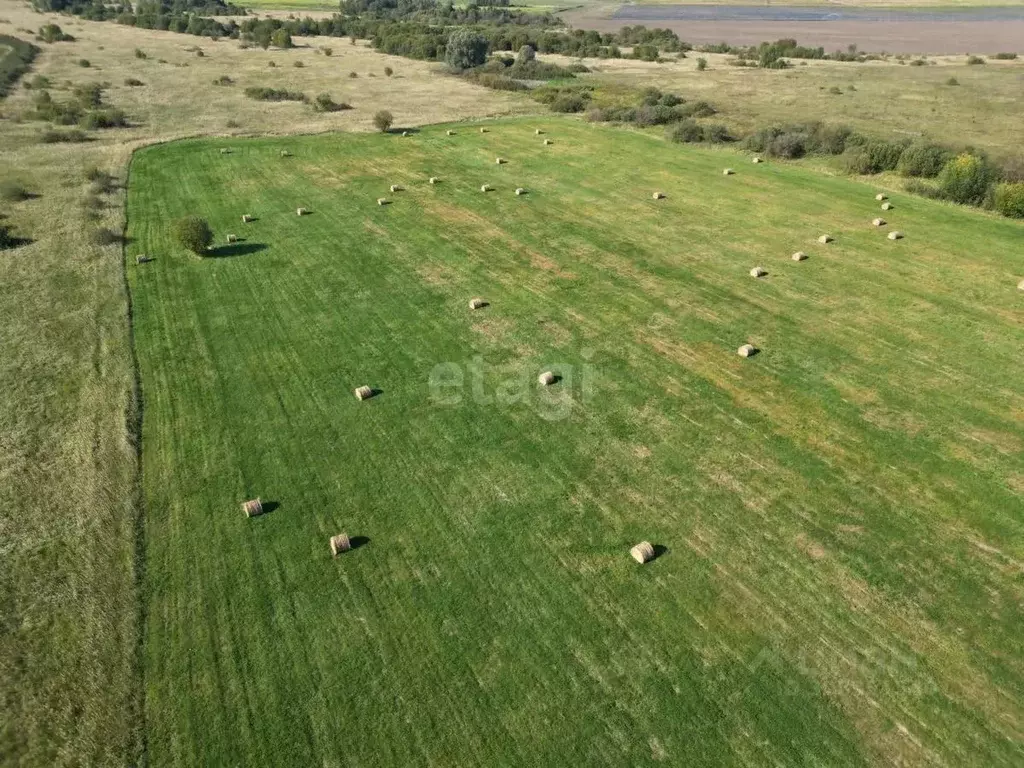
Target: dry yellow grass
x=887, y=99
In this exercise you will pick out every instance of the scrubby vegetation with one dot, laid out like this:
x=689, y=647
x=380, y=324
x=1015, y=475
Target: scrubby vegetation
x=262, y=93
x=383, y=121
x=86, y=108
x=15, y=61
x=325, y=103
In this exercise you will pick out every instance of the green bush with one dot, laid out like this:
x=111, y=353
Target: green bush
x=223, y=80
x=273, y=94
x=1008, y=199
x=383, y=121
x=140, y=54
x=465, y=49
x=717, y=134
x=966, y=179
x=74, y=136
x=952, y=81
x=923, y=160
x=324, y=103
x=702, y=64
x=696, y=109
x=281, y=38
x=298, y=64
x=973, y=61
x=497, y=82
x=687, y=132
x=194, y=234
x=569, y=103
x=51, y=33
x=133, y=82
x=1005, y=56
x=97, y=119
x=13, y=192
x=388, y=71
x=873, y=157
x=84, y=63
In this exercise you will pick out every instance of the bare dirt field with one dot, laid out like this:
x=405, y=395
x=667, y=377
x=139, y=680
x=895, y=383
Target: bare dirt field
x=876, y=35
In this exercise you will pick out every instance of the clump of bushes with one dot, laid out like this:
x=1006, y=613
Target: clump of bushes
x=73, y=136
x=51, y=33
x=223, y=80
x=194, y=234
x=13, y=192
x=388, y=71
x=922, y=159
x=383, y=121
x=324, y=103
x=873, y=157
x=1008, y=199
x=966, y=179
x=496, y=82
x=133, y=82
x=274, y=94
x=691, y=132
x=702, y=64
x=564, y=98
x=800, y=139
x=84, y=63
x=140, y=54
x=97, y=119
x=973, y=61
x=1005, y=56
x=952, y=81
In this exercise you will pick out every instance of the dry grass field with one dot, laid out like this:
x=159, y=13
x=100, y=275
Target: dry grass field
x=882, y=98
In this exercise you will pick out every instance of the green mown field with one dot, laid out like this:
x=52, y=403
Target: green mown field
x=839, y=518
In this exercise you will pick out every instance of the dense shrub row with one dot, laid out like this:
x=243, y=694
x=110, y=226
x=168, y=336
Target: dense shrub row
x=85, y=109
x=15, y=62
x=274, y=94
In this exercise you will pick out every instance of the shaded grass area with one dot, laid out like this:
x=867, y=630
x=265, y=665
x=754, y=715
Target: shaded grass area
x=840, y=513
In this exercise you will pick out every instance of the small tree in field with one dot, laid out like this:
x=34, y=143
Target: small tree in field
x=389, y=71
x=282, y=38
x=383, y=120
x=465, y=49
x=193, y=233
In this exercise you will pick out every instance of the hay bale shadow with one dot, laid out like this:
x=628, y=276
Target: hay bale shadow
x=235, y=249
x=401, y=131
x=374, y=392
x=659, y=550
x=355, y=542
x=270, y=506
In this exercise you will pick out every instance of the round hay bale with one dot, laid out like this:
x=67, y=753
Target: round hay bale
x=285, y=153
x=483, y=130
x=538, y=131
x=405, y=133
x=141, y=258
x=382, y=201
x=824, y=239
x=246, y=218
x=520, y=191
x=757, y=272
x=547, y=142
x=477, y=303
x=450, y=133
x=363, y=393
x=886, y=206
x=232, y=238
x=395, y=188
x=728, y=172
x=799, y=256
x=747, y=350
x=658, y=195
x=499, y=161
x=253, y=507
x=878, y=222
x=881, y=196
x=547, y=378
x=225, y=151
x=301, y=211
x=1020, y=285
x=895, y=235
x=756, y=160
x=642, y=552
x=485, y=187
x=340, y=543
x=432, y=180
